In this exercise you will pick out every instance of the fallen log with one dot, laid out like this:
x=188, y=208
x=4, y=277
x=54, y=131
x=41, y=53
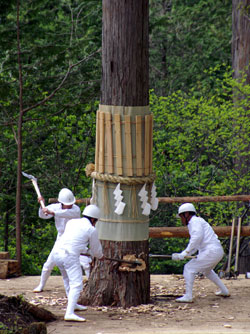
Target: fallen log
x=197, y=199
x=182, y=232
x=170, y=200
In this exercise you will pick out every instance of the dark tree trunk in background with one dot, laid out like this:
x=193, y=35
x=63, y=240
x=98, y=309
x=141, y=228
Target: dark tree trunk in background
x=241, y=38
x=240, y=64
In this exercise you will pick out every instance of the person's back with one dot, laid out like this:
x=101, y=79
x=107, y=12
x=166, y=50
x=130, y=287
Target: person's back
x=61, y=215
x=202, y=236
x=76, y=236
x=79, y=235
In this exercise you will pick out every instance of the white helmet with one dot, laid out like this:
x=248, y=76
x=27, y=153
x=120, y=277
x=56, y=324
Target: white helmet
x=186, y=207
x=92, y=211
x=66, y=197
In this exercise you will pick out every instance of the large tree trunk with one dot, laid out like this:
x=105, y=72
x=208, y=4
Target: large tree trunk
x=123, y=155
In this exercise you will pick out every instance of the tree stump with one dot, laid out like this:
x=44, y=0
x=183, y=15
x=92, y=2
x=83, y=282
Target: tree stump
x=108, y=285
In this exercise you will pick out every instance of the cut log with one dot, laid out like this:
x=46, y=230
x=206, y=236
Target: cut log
x=182, y=232
x=9, y=268
x=199, y=199
x=4, y=255
x=171, y=200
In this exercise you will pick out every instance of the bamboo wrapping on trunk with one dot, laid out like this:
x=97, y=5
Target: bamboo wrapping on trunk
x=124, y=141
x=124, y=144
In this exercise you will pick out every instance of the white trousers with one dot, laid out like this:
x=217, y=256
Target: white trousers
x=204, y=263
x=71, y=271
x=47, y=268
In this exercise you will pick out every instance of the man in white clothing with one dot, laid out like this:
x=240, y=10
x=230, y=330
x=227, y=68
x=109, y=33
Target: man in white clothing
x=210, y=252
x=79, y=236
x=62, y=213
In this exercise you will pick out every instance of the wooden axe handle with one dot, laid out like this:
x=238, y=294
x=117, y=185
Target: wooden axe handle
x=38, y=192
x=159, y=256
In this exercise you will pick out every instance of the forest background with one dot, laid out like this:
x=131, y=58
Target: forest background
x=200, y=135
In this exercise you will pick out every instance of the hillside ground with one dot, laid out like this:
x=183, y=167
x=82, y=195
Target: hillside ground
x=207, y=314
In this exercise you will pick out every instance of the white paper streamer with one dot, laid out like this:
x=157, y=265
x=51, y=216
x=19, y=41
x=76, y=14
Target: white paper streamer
x=143, y=194
x=120, y=206
x=154, y=201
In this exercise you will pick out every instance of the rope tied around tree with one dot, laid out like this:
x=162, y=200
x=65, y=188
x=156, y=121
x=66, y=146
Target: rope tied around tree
x=123, y=180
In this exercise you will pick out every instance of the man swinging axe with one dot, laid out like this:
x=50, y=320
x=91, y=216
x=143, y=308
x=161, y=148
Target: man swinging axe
x=210, y=252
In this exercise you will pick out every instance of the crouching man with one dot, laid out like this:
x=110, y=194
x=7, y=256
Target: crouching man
x=79, y=235
x=210, y=252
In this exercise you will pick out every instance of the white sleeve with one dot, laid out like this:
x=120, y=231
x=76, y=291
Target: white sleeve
x=42, y=215
x=95, y=245
x=196, y=235
x=72, y=213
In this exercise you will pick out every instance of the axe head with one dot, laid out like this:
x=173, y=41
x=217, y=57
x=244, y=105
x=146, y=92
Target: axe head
x=31, y=177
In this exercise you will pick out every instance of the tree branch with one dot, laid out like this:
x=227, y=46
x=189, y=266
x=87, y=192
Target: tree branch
x=61, y=84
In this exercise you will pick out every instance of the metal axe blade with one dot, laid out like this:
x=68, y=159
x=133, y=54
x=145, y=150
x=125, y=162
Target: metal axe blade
x=34, y=182
x=31, y=177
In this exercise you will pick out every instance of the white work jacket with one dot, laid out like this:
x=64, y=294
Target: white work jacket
x=78, y=235
x=62, y=216
x=202, y=236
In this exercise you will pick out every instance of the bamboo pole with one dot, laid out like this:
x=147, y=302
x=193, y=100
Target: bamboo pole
x=138, y=145
x=102, y=143
x=147, y=145
x=110, y=166
x=97, y=142
x=128, y=145
x=118, y=143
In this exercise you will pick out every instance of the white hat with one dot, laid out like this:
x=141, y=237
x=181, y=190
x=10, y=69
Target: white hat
x=186, y=207
x=92, y=211
x=66, y=197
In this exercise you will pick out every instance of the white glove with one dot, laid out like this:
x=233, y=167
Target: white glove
x=182, y=255
x=175, y=256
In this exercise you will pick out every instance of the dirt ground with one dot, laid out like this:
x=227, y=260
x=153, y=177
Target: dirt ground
x=207, y=314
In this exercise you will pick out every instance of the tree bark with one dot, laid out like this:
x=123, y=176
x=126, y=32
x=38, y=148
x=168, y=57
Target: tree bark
x=241, y=68
x=125, y=91
x=110, y=286
x=19, y=147
x=241, y=38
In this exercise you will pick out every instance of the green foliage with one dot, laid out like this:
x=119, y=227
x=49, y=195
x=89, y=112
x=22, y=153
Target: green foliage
x=199, y=137
x=60, y=42
x=186, y=38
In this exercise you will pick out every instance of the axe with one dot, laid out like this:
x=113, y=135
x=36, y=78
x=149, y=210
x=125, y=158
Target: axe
x=135, y=262
x=34, y=181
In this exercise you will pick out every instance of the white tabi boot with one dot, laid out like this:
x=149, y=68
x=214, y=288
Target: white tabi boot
x=44, y=277
x=223, y=292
